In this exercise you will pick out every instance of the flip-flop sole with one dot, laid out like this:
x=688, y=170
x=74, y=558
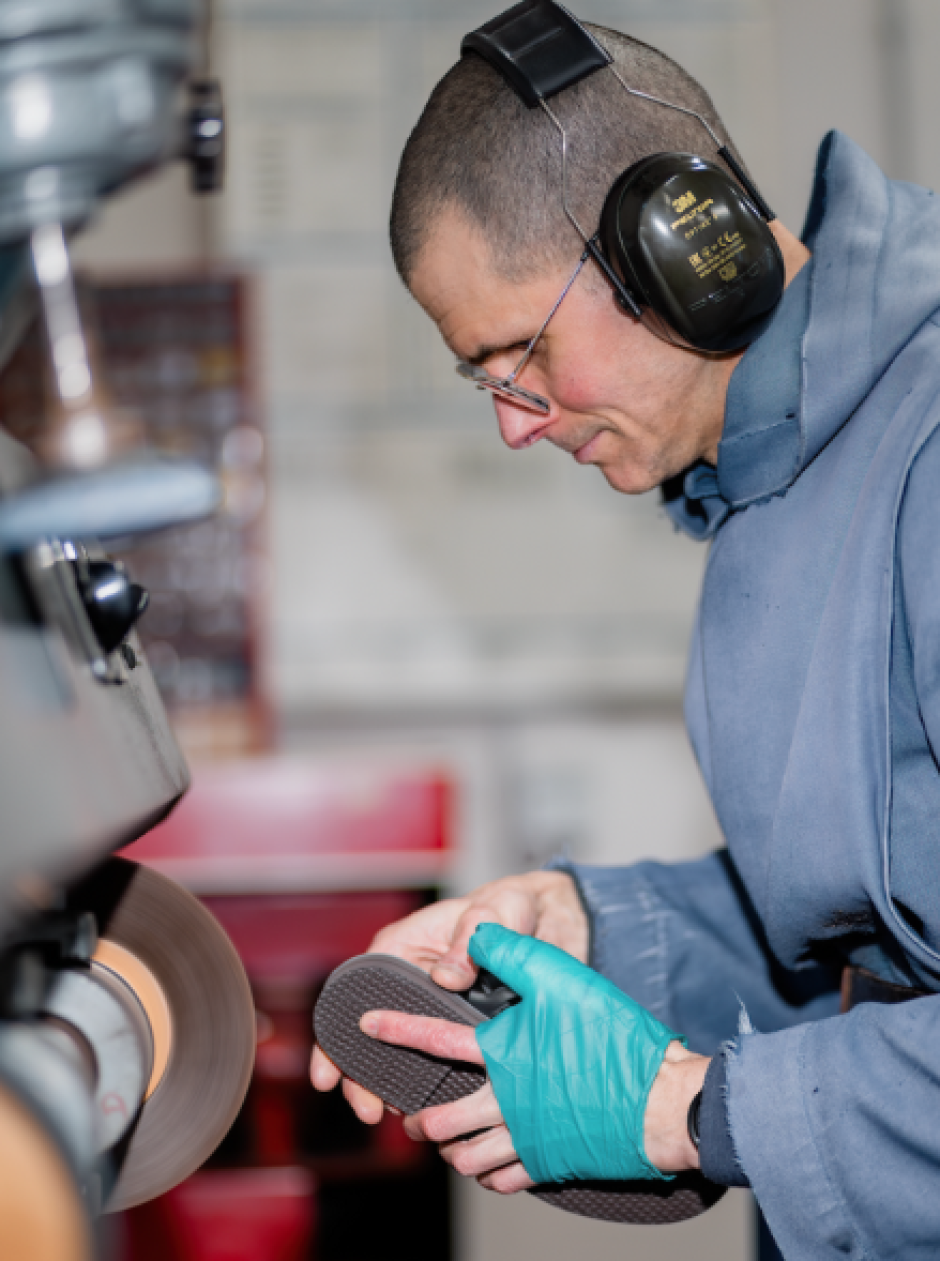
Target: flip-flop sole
x=410, y=1080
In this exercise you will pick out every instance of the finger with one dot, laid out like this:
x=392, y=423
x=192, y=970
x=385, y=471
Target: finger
x=514, y=908
x=523, y=963
x=421, y=938
x=367, y=1106
x=504, y=953
x=455, y=970
x=483, y=1154
x=447, y=1121
x=508, y=1181
x=323, y=1072
x=423, y=1033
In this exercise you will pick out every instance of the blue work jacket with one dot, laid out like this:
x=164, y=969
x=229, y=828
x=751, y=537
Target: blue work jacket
x=813, y=704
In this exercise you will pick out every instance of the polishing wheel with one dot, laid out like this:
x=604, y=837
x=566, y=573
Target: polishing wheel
x=42, y=1217
x=176, y=959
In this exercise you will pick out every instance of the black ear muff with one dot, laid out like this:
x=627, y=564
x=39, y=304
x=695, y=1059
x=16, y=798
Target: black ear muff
x=694, y=250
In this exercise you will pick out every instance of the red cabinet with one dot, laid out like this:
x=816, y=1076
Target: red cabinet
x=302, y=862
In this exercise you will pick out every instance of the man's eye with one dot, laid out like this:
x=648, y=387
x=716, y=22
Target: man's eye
x=514, y=352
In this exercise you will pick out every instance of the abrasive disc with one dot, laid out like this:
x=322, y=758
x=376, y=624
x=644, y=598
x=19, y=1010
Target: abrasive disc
x=192, y=985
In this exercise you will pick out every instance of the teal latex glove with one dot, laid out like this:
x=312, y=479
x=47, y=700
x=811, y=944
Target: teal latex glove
x=571, y=1065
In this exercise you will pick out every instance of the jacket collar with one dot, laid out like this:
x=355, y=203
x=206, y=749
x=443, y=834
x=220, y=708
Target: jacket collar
x=760, y=451
x=873, y=279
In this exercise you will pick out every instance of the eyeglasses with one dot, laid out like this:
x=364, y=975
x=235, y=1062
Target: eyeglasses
x=506, y=387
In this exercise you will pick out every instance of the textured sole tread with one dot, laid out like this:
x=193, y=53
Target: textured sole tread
x=410, y=1080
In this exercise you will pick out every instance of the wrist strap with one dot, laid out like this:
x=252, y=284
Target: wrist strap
x=695, y=1107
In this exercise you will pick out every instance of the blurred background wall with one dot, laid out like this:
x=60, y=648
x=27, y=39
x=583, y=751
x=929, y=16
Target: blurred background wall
x=427, y=592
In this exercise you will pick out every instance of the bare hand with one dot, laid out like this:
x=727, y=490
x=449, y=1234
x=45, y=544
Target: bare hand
x=543, y=904
x=666, y=1123
x=488, y=1155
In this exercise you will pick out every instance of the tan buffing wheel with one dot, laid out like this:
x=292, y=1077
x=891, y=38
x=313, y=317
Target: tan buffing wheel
x=41, y=1214
x=184, y=970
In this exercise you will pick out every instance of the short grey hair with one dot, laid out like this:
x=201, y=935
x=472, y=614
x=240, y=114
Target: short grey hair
x=479, y=150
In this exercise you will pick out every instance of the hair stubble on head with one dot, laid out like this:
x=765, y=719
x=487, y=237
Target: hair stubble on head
x=477, y=150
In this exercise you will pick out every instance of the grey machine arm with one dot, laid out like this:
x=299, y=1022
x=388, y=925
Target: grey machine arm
x=126, y=1026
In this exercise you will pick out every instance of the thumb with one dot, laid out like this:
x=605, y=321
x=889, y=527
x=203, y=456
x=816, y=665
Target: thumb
x=508, y=955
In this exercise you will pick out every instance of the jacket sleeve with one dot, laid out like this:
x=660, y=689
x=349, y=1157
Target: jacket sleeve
x=835, y=1124
x=683, y=940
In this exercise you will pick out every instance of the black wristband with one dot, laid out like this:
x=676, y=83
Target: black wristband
x=695, y=1108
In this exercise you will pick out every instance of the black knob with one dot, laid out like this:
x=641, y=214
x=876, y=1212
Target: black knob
x=113, y=603
x=206, y=138
x=489, y=995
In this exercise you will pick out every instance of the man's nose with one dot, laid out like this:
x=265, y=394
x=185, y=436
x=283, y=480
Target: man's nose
x=519, y=426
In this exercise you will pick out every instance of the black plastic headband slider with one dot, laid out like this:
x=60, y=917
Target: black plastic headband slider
x=539, y=48
x=746, y=183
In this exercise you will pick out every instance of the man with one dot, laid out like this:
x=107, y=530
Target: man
x=810, y=460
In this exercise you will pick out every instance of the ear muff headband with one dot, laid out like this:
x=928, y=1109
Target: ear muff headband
x=541, y=49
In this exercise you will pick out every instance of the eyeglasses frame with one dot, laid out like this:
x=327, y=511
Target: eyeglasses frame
x=506, y=387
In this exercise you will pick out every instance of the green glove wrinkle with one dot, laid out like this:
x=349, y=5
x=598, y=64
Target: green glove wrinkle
x=572, y=1064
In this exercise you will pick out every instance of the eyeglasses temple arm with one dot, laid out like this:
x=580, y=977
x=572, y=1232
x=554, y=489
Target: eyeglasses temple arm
x=534, y=342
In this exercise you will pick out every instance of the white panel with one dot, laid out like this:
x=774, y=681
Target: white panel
x=436, y=566
x=607, y=793
x=509, y=1228
x=829, y=75
x=292, y=176
x=307, y=61
x=324, y=336
x=920, y=52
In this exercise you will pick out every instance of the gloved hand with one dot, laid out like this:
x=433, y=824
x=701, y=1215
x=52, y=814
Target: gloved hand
x=571, y=1065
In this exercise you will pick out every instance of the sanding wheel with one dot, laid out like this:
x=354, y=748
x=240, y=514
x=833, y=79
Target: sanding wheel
x=189, y=980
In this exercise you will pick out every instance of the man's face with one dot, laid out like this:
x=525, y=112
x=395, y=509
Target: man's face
x=621, y=398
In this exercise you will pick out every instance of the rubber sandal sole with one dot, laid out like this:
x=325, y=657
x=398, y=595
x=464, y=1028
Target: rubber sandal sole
x=410, y=1080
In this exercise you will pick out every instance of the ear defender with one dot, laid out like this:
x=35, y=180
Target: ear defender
x=694, y=251
x=684, y=243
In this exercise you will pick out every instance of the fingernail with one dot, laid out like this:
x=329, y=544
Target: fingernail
x=455, y=973
x=370, y=1025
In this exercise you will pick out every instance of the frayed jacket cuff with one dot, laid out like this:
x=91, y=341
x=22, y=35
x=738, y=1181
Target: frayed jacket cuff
x=716, y=1151
x=767, y=1107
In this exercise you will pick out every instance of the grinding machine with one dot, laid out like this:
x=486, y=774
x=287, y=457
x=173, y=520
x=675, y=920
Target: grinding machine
x=126, y=1022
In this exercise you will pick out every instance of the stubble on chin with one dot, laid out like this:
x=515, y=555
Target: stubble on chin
x=629, y=482
x=627, y=470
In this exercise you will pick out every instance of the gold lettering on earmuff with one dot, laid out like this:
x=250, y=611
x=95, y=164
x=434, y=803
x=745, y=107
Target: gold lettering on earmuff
x=684, y=202
x=718, y=257
x=699, y=215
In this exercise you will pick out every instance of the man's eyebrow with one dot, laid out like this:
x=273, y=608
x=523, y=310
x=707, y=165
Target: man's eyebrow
x=486, y=352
